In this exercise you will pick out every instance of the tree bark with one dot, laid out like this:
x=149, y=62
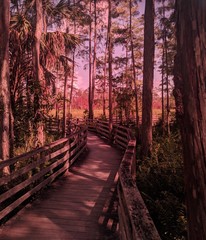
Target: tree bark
x=148, y=73
x=90, y=65
x=190, y=94
x=105, y=72
x=110, y=62
x=5, y=105
x=65, y=109
x=163, y=72
x=133, y=67
x=38, y=71
x=166, y=72
x=94, y=52
x=105, y=78
x=73, y=69
x=36, y=52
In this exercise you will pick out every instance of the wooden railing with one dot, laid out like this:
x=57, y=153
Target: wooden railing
x=134, y=219
x=55, y=125
x=36, y=169
x=102, y=128
x=122, y=136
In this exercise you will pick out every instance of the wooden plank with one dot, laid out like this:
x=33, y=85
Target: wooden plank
x=27, y=182
x=121, y=144
x=15, y=204
x=72, y=153
x=122, y=139
x=72, y=161
x=119, y=132
x=35, y=164
x=103, y=129
x=102, y=132
x=30, y=154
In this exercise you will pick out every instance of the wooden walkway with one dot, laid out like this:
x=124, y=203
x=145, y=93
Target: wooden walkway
x=80, y=205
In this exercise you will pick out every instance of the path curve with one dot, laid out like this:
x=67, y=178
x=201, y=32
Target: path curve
x=81, y=205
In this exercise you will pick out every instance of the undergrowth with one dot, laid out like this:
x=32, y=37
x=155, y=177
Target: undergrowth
x=160, y=180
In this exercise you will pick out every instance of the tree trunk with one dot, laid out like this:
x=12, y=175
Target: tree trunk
x=163, y=71
x=104, y=84
x=90, y=66
x=190, y=94
x=133, y=66
x=105, y=71
x=65, y=109
x=148, y=73
x=38, y=71
x=5, y=105
x=94, y=53
x=110, y=63
x=73, y=71
x=166, y=74
x=162, y=92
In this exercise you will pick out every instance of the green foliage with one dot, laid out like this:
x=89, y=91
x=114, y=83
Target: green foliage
x=160, y=180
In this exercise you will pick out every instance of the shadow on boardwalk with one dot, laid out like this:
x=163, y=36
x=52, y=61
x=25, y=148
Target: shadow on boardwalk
x=80, y=205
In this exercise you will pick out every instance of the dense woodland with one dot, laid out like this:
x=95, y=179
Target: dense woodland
x=121, y=45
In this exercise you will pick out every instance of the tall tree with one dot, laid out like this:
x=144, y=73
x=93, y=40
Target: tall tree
x=190, y=94
x=37, y=69
x=73, y=64
x=91, y=114
x=105, y=76
x=148, y=73
x=4, y=83
x=110, y=61
x=133, y=64
x=165, y=54
x=94, y=51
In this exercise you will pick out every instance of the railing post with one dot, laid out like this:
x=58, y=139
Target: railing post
x=67, y=155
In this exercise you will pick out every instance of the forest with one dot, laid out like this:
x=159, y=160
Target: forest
x=145, y=63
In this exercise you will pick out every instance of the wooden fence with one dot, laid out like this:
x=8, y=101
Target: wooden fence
x=55, y=125
x=134, y=219
x=36, y=169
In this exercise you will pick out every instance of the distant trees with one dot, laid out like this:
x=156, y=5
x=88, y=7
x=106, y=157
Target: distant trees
x=127, y=56
x=190, y=94
x=166, y=44
x=5, y=106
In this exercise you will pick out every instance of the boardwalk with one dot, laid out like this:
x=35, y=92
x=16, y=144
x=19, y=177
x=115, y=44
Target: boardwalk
x=80, y=205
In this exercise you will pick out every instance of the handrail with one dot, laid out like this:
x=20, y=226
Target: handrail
x=36, y=169
x=54, y=125
x=134, y=219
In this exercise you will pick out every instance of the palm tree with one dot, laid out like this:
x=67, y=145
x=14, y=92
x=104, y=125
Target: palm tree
x=28, y=41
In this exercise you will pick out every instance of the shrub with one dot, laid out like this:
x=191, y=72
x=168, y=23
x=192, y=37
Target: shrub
x=160, y=180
